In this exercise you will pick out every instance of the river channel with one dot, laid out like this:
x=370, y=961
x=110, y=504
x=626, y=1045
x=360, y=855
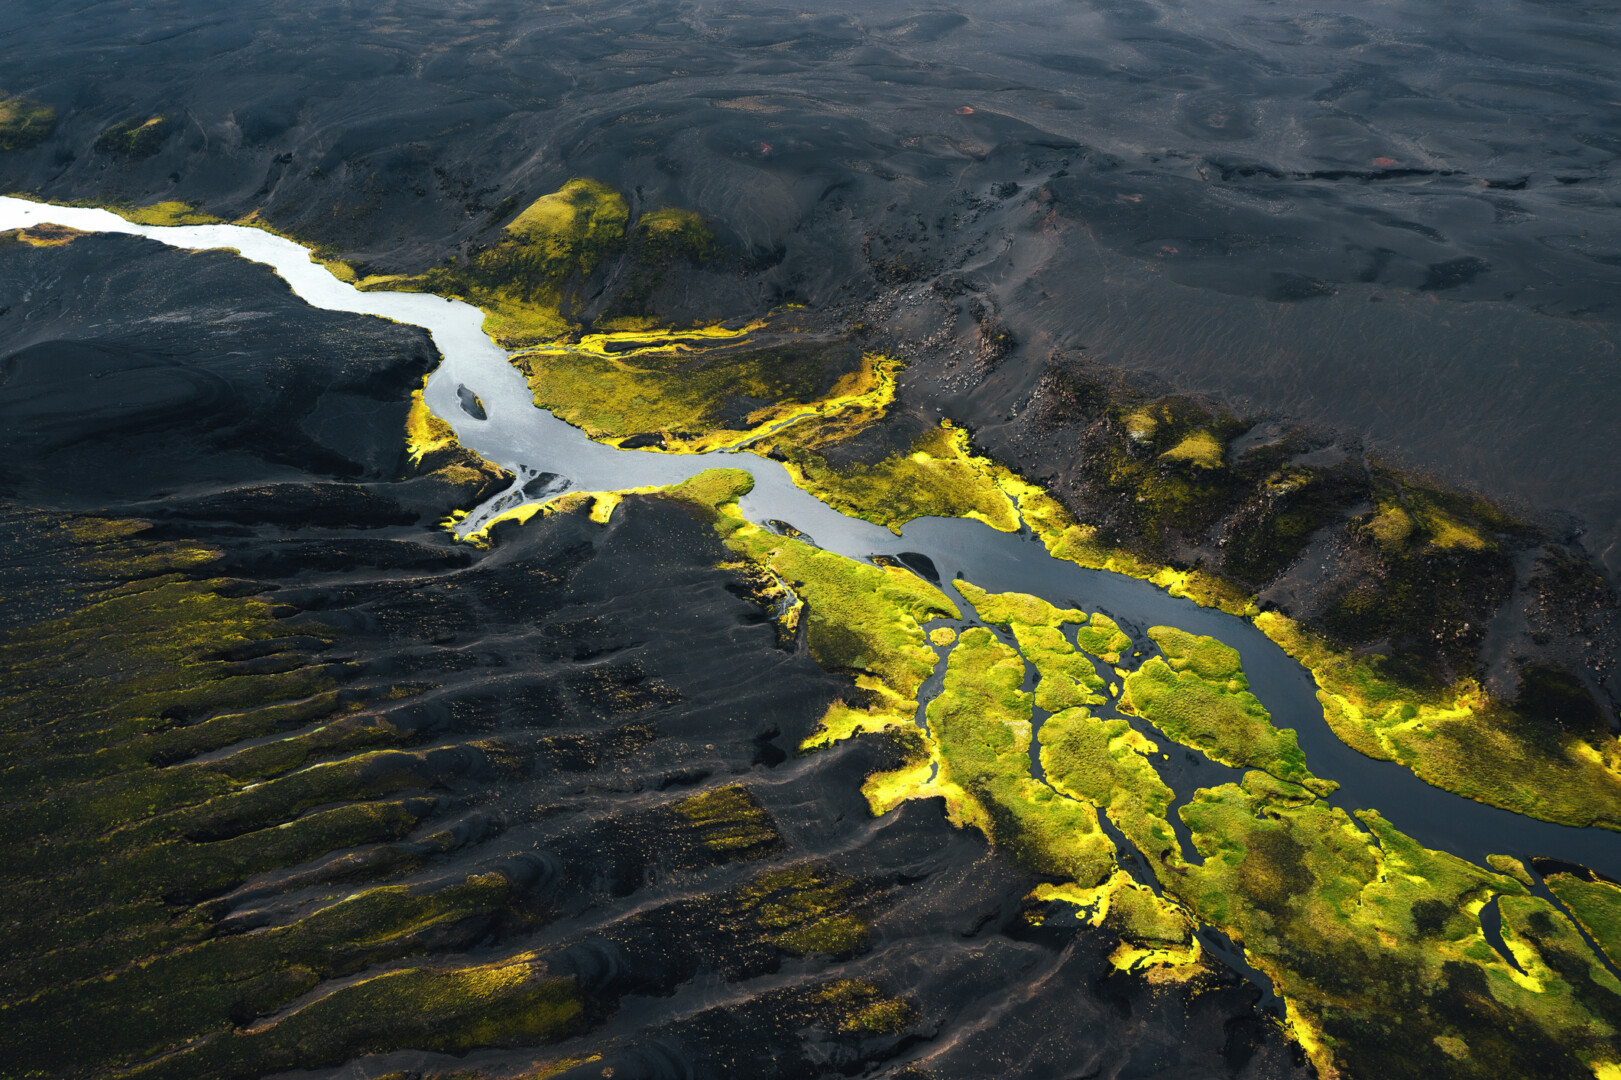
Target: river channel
x=530, y=441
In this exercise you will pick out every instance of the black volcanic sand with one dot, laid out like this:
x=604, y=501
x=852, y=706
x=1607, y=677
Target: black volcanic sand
x=1395, y=222
x=572, y=754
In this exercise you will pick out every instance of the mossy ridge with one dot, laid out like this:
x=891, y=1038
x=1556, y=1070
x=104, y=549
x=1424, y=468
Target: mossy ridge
x=432, y=450
x=1596, y=904
x=105, y=704
x=674, y=395
x=505, y=1003
x=137, y=138
x=44, y=235
x=1436, y=567
x=164, y=1002
x=1170, y=467
x=859, y=618
x=729, y=822
x=1457, y=737
x=661, y=240
x=24, y=122
x=940, y=475
x=1376, y=943
x=1198, y=696
x=749, y=930
x=527, y=282
x=1087, y=546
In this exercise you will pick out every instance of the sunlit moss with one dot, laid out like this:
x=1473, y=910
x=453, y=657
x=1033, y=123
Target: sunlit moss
x=136, y=138
x=1596, y=903
x=166, y=213
x=529, y=279
x=505, y=1003
x=803, y=909
x=1199, y=697
x=173, y=998
x=1066, y=677
x=942, y=636
x=24, y=123
x=1514, y=868
x=939, y=476
x=1201, y=449
x=1376, y=942
x=1085, y=545
x=1156, y=933
x=860, y=618
x=697, y=393
x=670, y=232
x=44, y=235
x=433, y=449
x=981, y=721
x=1105, y=762
x=1456, y=737
x=729, y=821
x=864, y=1008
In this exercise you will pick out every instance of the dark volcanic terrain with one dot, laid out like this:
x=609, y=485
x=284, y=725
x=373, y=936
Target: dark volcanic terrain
x=1397, y=223
x=1320, y=305
x=566, y=759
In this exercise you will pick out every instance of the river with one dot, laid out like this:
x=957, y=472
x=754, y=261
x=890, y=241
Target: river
x=528, y=440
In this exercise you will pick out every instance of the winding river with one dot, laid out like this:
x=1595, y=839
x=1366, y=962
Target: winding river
x=530, y=441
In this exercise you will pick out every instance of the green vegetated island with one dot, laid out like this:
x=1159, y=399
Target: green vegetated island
x=1379, y=947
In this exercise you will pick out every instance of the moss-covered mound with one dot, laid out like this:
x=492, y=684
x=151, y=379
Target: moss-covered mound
x=699, y=390
x=137, y=138
x=24, y=123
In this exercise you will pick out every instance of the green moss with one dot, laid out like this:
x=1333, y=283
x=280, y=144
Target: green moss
x=166, y=213
x=148, y=1008
x=859, y=1005
x=1596, y=903
x=981, y=722
x=672, y=233
x=529, y=281
x=24, y=123
x=939, y=476
x=135, y=138
x=730, y=822
x=1199, y=697
x=1201, y=449
x=505, y=1003
x=1066, y=677
x=695, y=392
x=1377, y=946
x=859, y=618
x=1460, y=739
x=1105, y=762
x=802, y=909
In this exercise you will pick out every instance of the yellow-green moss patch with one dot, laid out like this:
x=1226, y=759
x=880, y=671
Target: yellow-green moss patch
x=1596, y=903
x=24, y=123
x=136, y=138
x=1199, y=697
x=1457, y=737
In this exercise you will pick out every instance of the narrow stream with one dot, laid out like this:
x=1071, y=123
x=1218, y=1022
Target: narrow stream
x=532, y=442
